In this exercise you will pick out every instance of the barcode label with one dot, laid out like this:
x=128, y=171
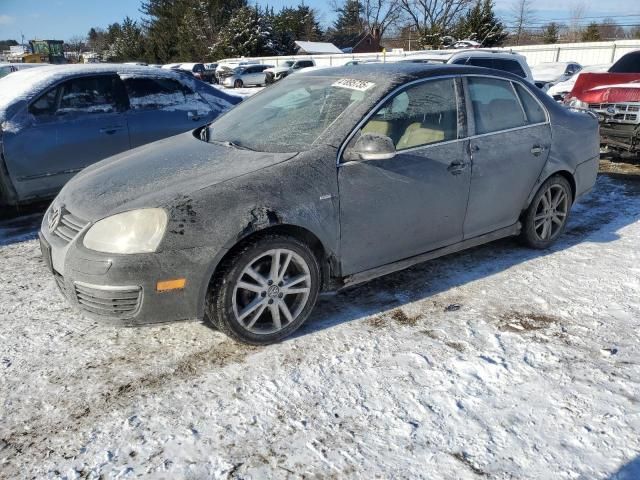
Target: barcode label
x=353, y=84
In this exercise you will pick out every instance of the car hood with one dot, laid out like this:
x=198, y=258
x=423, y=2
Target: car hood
x=156, y=174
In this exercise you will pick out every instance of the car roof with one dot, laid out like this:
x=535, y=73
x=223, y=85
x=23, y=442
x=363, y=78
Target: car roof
x=401, y=72
x=25, y=83
x=445, y=55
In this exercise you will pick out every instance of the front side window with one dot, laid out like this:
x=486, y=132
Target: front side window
x=495, y=105
x=146, y=93
x=45, y=104
x=420, y=115
x=88, y=95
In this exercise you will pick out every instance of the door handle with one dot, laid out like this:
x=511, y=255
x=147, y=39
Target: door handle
x=456, y=167
x=111, y=130
x=537, y=150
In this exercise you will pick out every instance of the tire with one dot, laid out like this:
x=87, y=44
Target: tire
x=237, y=84
x=546, y=218
x=249, y=309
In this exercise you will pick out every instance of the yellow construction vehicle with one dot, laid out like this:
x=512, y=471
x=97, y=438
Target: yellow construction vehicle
x=45, y=51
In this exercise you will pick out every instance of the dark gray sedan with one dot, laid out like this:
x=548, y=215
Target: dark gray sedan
x=327, y=179
x=56, y=120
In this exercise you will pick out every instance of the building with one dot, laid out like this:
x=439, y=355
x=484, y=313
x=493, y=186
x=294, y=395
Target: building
x=316, y=48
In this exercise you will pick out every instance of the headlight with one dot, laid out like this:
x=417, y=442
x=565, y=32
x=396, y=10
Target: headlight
x=578, y=104
x=137, y=231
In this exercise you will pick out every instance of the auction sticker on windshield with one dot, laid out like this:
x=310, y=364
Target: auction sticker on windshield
x=352, y=84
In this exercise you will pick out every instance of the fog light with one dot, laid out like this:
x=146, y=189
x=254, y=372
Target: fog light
x=167, y=285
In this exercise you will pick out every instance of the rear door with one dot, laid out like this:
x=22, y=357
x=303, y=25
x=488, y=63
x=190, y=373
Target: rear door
x=509, y=147
x=70, y=126
x=162, y=107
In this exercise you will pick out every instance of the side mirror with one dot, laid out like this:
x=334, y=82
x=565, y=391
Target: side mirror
x=371, y=146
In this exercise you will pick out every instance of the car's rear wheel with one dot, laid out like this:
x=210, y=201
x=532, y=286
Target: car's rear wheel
x=266, y=291
x=547, y=216
x=237, y=84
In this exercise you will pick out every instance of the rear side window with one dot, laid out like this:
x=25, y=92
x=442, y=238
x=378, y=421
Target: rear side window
x=155, y=93
x=510, y=66
x=89, y=95
x=533, y=110
x=421, y=115
x=495, y=105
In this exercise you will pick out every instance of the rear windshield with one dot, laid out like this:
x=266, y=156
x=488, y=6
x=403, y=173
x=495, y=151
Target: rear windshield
x=630, y=63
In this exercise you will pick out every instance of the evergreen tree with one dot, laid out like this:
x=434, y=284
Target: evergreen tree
x=481, y=24
x=591, y=33
x=128, y=41
x=551, y=33
x=246, y=34
x=348, y=26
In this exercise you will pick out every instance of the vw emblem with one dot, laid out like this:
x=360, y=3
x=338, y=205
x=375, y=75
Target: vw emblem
x=54, y=218
x=611, y=110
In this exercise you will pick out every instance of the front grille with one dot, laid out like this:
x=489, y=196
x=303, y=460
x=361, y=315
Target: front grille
x=623, y=112
x=69, y=225
x=119, y=302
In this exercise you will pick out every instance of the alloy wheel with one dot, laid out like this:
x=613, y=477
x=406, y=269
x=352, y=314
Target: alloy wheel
x=551, y=212
x=272, y=291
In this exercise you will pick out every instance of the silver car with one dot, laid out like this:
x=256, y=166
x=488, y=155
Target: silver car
x=246, y=75
x=56, y=120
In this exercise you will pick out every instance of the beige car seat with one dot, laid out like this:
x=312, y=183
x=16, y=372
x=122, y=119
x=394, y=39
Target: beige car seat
x=416, y=135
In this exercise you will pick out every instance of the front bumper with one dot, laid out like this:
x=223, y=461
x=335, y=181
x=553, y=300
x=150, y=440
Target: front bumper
x=620, y=136
x=121, y=289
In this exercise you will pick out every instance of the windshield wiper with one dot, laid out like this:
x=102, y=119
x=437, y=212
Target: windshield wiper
x=230, y=144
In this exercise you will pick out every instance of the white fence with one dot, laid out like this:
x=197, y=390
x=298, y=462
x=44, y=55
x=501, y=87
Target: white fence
x=593, y=53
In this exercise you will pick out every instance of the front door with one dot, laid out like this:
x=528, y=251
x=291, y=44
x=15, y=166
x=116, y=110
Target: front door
x=509, y=150
x=77, y=123
x=416, y=202
x=162, y=107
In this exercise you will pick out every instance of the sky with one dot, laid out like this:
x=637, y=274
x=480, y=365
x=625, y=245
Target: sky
x=63, y=19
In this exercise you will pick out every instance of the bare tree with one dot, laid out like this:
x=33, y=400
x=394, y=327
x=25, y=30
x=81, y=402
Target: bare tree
x=434, y=18
x=577, y=13
x=76, y=45
x=380, y=15
x=610, y=30
x=523, y=14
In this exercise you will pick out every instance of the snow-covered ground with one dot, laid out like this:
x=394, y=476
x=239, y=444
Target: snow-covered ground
x=500, y=362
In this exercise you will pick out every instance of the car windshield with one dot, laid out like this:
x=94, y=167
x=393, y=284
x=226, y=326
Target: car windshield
x=290, y=116
x=288, y=63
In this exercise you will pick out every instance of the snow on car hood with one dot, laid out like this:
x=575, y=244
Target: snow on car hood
x=548, y=73
x=155, y=174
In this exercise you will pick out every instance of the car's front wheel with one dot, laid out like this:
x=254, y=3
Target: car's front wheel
x=547, y=216
x=265, y=291
x=237, y=84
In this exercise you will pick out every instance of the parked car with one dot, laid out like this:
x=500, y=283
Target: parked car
x=327, y=179
x=224, y=69
x=561, y=89
x=548, y=74
x=7, y=68
x=196, y=69
x=615, y=97
x=477, y=57
x=287, y=68
x=246, y=76
x=209, y=74
x=56, y=120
